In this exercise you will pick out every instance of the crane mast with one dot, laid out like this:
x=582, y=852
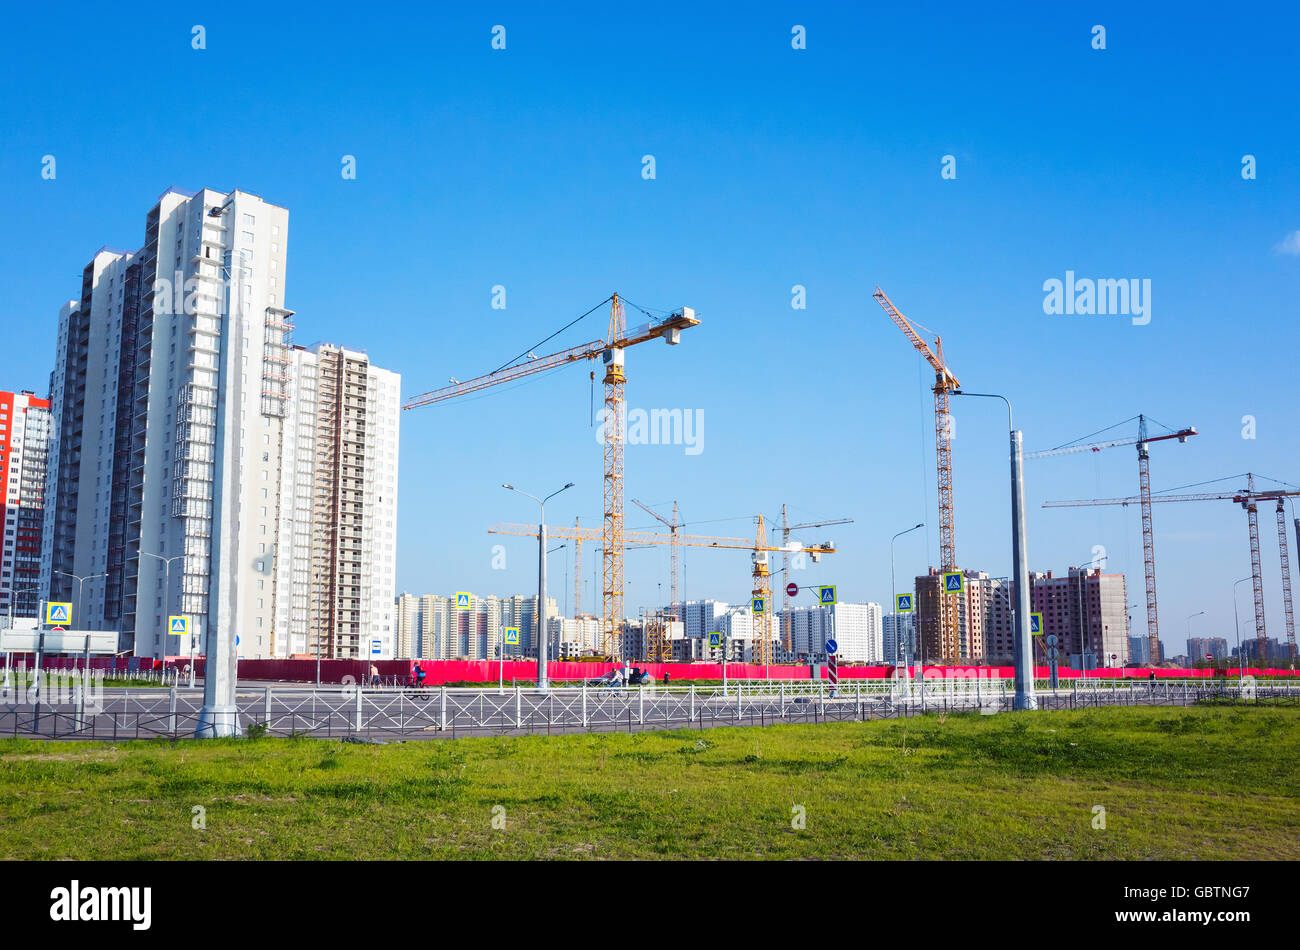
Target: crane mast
x=944, y=383
x=759, y=549
x=1143, y=443
x=1249, y=500
x=611, y=351
x=612, y=526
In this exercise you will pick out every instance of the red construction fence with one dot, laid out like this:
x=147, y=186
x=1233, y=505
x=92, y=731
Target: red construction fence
x=487, y=671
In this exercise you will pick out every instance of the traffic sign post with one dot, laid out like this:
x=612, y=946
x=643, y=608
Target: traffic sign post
x=954, y=582
x=57, y=613
x=903, y=604
x=826, y=595
x=758, y=605
x=792, y=589
x=832, y=665
x=463, y=600
x=1053, y=652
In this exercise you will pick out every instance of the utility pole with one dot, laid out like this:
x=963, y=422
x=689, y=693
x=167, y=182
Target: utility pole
x=1024, y=656
x=541, y=579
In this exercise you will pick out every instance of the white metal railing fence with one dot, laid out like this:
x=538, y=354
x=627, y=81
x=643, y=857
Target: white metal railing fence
x=395, y=712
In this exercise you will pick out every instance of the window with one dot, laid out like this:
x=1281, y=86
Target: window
x=249, y=220
x=247, y=236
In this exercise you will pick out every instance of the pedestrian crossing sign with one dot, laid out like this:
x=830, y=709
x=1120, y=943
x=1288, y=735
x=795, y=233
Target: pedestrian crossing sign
x=178, y=626
x=826, y=595
x=904, y=605
x=1035, y=624
x=953, y=582
x=715, y=640
x=512, y=636
x=462, y=600
x=759, y=605
x=58, y=613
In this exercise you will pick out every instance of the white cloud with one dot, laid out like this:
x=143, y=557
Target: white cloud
x=1290, y=244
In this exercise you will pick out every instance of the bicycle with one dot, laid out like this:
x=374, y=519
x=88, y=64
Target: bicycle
x=417, y=691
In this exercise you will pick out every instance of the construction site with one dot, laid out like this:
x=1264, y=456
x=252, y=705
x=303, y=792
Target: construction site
x=960, y=615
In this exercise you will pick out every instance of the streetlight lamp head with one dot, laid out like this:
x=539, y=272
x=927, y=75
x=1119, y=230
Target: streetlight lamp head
x=570, y=485
x=511, y=487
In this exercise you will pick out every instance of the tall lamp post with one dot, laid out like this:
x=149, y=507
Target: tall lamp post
x=219, y=715
x=40, y=653
x=1025, y=698
x=1083, y=626
x=1236, y=622
x=893, y=592
x=12, y=596
x=1201, y=613
x=167, y=600
x=541, y=578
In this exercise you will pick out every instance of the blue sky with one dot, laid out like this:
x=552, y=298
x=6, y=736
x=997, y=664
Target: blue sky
x=775, y=167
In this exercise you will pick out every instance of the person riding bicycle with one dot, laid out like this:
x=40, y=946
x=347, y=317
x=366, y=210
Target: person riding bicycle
x=419, y=675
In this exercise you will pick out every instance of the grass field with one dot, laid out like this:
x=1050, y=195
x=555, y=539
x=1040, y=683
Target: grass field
x=1175, y=783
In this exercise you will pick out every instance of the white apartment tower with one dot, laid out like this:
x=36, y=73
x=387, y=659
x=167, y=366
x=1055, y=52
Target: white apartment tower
x=338, y=515
x=173, y=414
x=856, y=628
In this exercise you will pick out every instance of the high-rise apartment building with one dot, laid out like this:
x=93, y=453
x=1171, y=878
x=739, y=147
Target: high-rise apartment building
x=983, y=616
x=446, y=632
x=173, y=488
x=857, y=629
x=1087, y=611
x=338, y=512
x=898, y=638
x=24, y=453
x=1201, y=649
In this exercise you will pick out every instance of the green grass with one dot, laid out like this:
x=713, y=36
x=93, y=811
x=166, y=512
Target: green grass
x=1200, y=783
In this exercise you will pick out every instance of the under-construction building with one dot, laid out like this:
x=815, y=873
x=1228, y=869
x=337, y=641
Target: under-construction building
x=335, y=592
x=1087, y=611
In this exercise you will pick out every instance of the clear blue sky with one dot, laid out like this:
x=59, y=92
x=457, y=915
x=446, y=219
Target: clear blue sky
x=775, y=167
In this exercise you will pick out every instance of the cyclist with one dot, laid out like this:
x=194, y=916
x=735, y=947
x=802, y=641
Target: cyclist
x=418, y=677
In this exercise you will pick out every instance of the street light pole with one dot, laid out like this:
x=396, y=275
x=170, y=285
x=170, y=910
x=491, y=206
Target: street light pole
x=12, y=596
x=1083, y=634
x=1236, y=622
x=1191, y=658
x=40, y=652
x=1025, y=698
x=893, y=592
x=541, y=579
x=167, y=601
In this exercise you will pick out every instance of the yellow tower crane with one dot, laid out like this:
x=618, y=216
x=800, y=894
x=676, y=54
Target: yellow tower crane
x=759, y=549
x=611, y=352
x=787, y=638
x=944, y=383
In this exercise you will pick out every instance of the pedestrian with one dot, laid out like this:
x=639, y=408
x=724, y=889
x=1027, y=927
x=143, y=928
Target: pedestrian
x=374, y=675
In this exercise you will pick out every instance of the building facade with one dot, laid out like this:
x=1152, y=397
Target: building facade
x=857, y=629
x=338, y=512
x=25, y=422
x=1088, y=613
x=898, y=637
x=173, y=410
x=1207, y=649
